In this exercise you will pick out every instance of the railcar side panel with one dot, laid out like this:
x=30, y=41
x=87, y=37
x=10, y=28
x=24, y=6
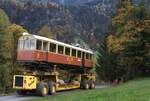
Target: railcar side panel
x=25, y=55
x=40, y=55
x=63, y=59
x=52, y=58
x=88, y=63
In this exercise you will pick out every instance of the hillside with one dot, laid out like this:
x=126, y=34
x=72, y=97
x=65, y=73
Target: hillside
x=137, y=90
x=70, y=21
x=83, y=24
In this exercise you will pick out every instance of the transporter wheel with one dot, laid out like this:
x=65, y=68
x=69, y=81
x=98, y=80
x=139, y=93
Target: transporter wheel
x=42, y=89
x=92, y=84
x=52, y=88
x=85, y=85
x=21, y=92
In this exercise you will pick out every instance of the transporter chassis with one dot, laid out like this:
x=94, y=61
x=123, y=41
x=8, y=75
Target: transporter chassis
x=45, y=82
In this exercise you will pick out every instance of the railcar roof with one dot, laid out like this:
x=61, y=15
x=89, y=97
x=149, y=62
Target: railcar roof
x=58, y=42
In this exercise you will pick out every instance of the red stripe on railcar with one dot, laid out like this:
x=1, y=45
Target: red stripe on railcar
x=58, y=58
x=31, y=56
x=52, y=57
x=25, y=55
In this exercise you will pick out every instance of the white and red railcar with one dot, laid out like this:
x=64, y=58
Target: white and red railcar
x=34, y=48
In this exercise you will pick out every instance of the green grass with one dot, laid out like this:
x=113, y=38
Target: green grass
x=136, y=90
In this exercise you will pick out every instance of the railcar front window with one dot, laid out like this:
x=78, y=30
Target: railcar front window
x=20, y=44
x=27, y=45
x=32, y=44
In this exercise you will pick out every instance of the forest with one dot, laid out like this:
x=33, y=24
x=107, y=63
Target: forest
x=121, y=38
x=125, y=52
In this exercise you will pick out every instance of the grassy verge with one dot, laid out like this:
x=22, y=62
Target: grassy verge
x=137, y=90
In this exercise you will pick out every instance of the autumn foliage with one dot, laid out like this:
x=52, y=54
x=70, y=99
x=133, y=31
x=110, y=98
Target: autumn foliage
x=128, y=43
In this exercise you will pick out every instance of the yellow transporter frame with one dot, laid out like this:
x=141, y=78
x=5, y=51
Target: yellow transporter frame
x=28, y=82
x=25, y=82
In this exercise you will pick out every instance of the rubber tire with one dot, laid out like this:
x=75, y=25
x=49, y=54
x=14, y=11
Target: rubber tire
x=92, y=84
x=40, y=88
x=85, y=85
x=52, y=88
x=21, y=92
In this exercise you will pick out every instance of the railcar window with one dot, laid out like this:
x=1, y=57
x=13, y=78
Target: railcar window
x=39, y=45
x=21, y=44
x=32, y=45
x=60, y=49
x=67, y=51
x=79, y=54
x=74, y=52
x=87, y=55
x=26, y=44
x=45, y=46
x=52, y=47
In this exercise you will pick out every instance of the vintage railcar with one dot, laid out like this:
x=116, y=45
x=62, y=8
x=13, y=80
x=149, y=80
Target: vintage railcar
x=33, y=48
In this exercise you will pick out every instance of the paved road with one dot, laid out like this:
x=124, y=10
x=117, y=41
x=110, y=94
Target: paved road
x=15, y=98
x=25, y=98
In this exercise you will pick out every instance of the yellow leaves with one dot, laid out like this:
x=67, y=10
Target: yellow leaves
x=14, y=28
x=132, y=28
x=117, y=20
x=114, y=44
x=131, y=34
x=147, y=24
x=117, y=44
x=122, y=14
x=131, y=9
x=129, y=26
x=129, y=23
x=17, y=31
